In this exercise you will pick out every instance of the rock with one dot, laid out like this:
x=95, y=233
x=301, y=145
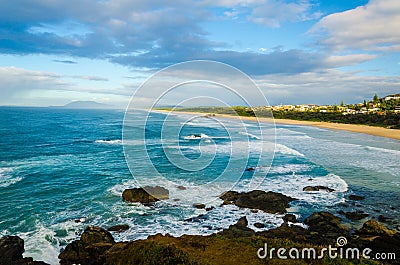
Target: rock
x=230, y=196
x=373, y=228
x=118, y=228
x=355, y=216
x=209, y=208
x=317, y=188
x=290, y=218
x=383, y=219
x=239, y=229
x=11, y=250
x=93, y=243
x=199, y=205
x=250, y=169
x=259, y=225
x=356, y=197
x=197, y=219
x=145, y=195
x=95, y=234
x=242, y=222
x=378, y=238
x=181, y=187
x=325, y=228
x=270, y=202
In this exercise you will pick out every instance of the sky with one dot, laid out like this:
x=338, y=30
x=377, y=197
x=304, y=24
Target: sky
x=303, y=51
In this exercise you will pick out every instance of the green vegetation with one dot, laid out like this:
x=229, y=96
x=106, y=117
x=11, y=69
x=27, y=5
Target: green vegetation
x=383, y=112
x=390, y=120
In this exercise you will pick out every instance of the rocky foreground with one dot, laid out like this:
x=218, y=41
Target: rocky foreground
x=237, y=244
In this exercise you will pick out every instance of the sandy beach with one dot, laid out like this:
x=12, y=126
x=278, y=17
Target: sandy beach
x=371, y=130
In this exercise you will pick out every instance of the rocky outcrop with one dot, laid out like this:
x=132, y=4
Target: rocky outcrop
x=234, y=245
x=378, y=238
x=11, y=250
x=270, y=202
x=239, y=229
x=145, y=195
x=325, y=227
x=94, y=242
x=290, y=218
x=318, y=188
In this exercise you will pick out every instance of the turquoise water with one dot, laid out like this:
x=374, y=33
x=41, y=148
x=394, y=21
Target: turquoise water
x=58, y=166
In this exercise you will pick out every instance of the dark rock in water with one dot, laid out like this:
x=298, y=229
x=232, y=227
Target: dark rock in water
x=317, y=188
x=356, y=197
x=11, y=250
x=93, y=242
x=250, y=169
x=209, y=208
x=95, y=234
x=290, y=218
x=383, y=219
x=118, y=228
x=145, y=195
x=181, y=187
x=242, y=222
x=199, y=205
x=230, y=196
x=197, y=219
x=239, y=229
x=355, y=216
x=325, y=227
x=259, y=225
x=270, y=202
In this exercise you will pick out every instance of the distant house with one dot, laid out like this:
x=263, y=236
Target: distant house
x=395, y=97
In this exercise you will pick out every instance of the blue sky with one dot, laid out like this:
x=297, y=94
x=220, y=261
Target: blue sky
x=305, y=51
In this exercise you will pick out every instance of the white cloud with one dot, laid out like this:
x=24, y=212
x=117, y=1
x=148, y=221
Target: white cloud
x=274, y=13
x=373, y=27
x=347, y=60
x=325, y=87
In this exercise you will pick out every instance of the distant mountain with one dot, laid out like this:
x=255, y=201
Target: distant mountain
x=85, y=105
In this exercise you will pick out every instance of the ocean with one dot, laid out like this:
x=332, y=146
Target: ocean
x=64, y=169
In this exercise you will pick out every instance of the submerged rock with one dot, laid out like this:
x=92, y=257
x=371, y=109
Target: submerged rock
x=118, y=228
x=356, y=197
x=317, y=188
x=355, y=216
x=270, y=202
x=145, y=195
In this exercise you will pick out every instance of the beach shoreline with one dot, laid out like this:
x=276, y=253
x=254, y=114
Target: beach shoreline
x=356, y=128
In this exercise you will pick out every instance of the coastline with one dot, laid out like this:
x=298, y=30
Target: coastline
x=365, y=129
